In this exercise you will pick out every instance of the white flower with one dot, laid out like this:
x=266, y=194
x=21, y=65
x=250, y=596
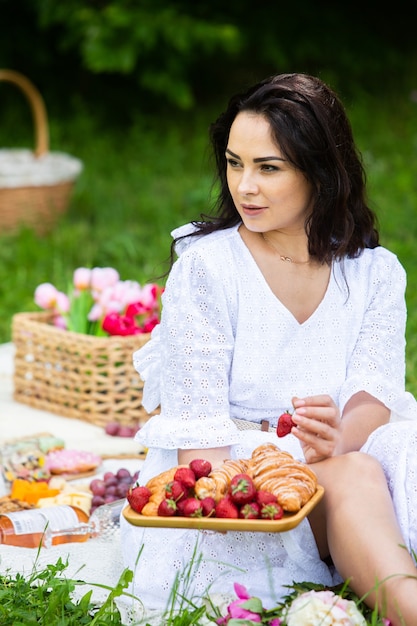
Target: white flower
x=324, y=608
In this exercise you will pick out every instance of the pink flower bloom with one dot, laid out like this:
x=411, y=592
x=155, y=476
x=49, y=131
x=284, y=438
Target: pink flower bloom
x=95, y=313
x=46, y=296
x=62, y=302
x=116, y=324
x=102, y=277
x=150, y=324
x=241, y=591
x=60, y=322
x=237, y=610
x=150, y=295
x=118, y=296
x=82, y=278
x=95, y=294
x=136, y=308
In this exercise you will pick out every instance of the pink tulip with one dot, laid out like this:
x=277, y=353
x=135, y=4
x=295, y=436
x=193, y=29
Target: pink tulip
x=102, y=277
x=46, y=296
x=133, y=309
x=149, y=296
x=96, y=313
x=126, y=292
x=62, y=302
x=149, y=324
x=136, y=308
x=116, y=324
x=60, y=322
x=82, y=278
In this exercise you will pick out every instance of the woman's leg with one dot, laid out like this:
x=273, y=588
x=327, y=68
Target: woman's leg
x=357, y=519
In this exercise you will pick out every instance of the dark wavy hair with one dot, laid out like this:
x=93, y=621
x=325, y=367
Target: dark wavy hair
x=312, y=130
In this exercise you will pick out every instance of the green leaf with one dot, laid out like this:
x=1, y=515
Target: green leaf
x=254, y=605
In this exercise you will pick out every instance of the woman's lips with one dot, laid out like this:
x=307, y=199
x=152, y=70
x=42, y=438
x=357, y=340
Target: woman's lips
x=250, y=209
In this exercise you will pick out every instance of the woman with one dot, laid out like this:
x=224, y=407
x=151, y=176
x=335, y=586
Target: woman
x=283, y=298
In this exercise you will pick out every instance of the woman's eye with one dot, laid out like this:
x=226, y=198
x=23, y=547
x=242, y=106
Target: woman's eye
x=233, y=163
x=269, y=168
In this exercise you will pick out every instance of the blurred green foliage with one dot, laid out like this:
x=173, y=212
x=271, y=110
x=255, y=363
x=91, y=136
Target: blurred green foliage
x=181, y=52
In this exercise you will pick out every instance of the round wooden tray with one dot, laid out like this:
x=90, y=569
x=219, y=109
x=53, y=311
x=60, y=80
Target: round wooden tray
x=289, y=521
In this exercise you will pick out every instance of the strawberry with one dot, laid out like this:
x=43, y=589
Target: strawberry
x=191, y=507
x=138, y=497
x=285, y=424
x=186, y=476
x=180, y=506
x=167, y=508
x=242, y=490
x=208, y=506
x=200, y=467
x=227, y=508
x=272, y=511
x=264, y=497
x=251, y=510
x=176, y=490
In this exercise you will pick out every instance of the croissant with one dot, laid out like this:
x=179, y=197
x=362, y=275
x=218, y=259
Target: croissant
x=216, y=484
x=276, y=471
x=156, y=486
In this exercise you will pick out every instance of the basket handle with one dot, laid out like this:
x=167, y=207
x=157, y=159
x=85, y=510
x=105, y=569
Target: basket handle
x=37, y=106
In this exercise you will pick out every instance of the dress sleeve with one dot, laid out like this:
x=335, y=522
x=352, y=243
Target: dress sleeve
x=377, y=364
x=189, y=359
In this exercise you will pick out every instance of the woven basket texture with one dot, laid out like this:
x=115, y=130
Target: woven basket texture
x=33, y=204
x=76, y=375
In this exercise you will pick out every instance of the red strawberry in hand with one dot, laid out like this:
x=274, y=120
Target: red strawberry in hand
x=285, y=424
x=138, y=497
x=242, y=490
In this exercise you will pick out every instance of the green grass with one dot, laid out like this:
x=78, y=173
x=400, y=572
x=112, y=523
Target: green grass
x=144, y=178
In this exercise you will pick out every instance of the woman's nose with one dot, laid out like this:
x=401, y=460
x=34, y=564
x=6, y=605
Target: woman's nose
x=247, y=184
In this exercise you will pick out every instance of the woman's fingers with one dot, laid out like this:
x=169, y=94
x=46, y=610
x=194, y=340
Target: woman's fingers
x=317, y=421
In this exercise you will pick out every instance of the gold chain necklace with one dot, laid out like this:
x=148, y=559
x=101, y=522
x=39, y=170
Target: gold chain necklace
x=283, y=257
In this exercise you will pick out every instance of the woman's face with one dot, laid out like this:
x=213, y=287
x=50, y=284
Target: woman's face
x=268, y=192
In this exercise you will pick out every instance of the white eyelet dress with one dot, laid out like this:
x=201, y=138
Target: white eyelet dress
x=227, y=348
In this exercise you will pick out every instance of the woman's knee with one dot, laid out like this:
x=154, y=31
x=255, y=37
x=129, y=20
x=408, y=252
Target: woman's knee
x=347, y=471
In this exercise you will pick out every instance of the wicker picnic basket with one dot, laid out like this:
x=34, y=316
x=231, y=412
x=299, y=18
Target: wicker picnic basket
x=76, y=375
x=35, y=186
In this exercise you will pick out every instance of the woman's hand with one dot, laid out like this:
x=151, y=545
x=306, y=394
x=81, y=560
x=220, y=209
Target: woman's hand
x=318, y=427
